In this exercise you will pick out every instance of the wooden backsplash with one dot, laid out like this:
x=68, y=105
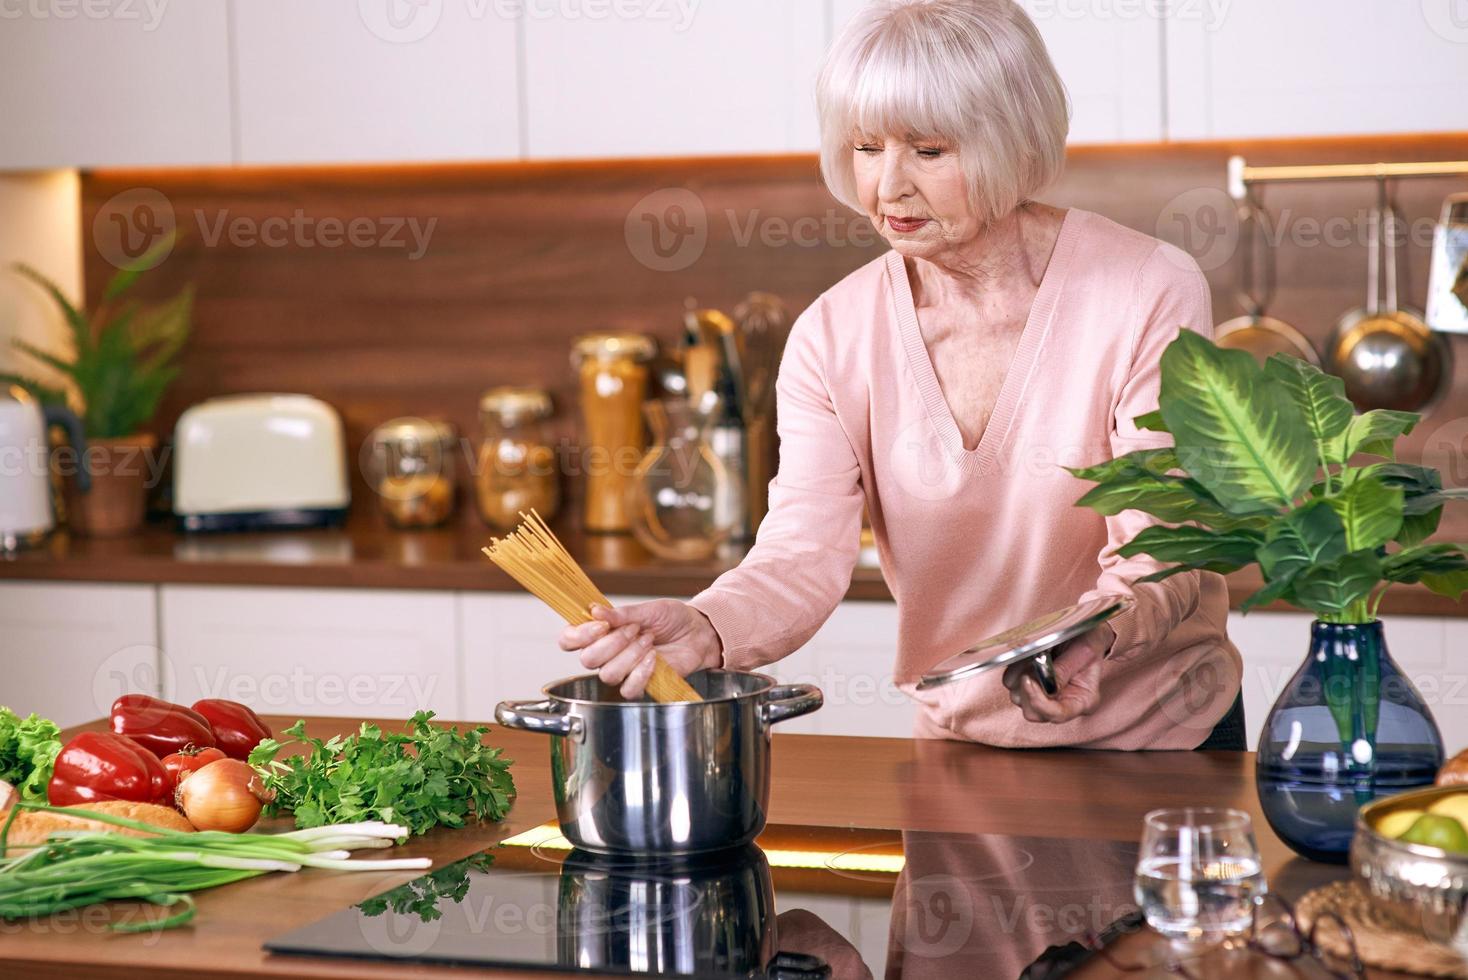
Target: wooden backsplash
x=517, y=259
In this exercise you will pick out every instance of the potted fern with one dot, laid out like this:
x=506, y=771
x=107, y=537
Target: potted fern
x=121, y=360
x=1272, y=467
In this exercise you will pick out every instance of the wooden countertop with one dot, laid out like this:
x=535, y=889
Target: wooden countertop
x=367, y=554
x=947, y=787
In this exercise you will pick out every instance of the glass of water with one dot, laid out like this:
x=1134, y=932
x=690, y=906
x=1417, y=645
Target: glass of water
x=1198, y=873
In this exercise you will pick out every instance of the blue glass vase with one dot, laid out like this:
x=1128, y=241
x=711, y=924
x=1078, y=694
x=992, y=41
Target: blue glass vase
x=1348, y=727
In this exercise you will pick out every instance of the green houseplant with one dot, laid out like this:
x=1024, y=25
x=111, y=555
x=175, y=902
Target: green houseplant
x=1271, y=466
x=122, y=358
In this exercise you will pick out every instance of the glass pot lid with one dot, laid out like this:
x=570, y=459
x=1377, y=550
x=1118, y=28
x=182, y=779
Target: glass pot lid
x=1032, y=641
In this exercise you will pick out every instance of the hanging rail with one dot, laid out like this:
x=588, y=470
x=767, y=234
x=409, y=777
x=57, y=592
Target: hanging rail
x=1241, y=175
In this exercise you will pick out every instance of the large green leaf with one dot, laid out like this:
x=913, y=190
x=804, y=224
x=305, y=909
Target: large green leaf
x=1370, y=511
x=1282, y=588
x=1151, y=422
x=1320, y=397
x=1140, y=462
x=1417, y=528
x=1450, y=584
x=1217, y=551
x=1374, y=432
x=1245, y=439
x=1172, y=499
x=1422, y=503
x=1303, y=538
x=1330, y=589
x=1411, y=564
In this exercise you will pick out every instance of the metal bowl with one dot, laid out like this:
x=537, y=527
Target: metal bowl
x=1422, y=889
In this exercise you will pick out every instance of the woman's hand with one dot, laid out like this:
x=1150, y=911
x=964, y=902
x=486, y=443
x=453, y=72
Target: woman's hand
x=1078, y=673
x=621, y=644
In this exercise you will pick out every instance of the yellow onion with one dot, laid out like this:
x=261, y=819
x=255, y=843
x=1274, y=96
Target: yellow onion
x=227, y=795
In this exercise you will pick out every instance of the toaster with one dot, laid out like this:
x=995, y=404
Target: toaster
x=249, y=462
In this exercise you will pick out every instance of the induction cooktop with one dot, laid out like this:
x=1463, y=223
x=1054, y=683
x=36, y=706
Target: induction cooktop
x=803, y=902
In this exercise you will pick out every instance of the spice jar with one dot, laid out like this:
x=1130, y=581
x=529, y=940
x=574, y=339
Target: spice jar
x=410, y=467
x=612, y=372
x=517, y=463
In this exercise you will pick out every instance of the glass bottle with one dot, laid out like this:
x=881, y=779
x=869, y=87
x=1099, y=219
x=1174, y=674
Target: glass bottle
x=673, y=499
x=1348, y=727
x=612, y=375
x=516, y=462
x=411, y=470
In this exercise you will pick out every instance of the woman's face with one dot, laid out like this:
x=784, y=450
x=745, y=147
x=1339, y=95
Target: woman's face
x=914, y=191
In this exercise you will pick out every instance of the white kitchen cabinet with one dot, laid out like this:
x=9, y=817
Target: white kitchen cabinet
x=507, y=650
x=1428, y=649
x=672, y=78
x=1109, y=55
x=376, y=81
x=851, y=659
x=294, y=651
x=67, y=650
x=114, y=84
x=1261, y=68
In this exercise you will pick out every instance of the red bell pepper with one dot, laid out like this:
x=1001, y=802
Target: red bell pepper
x=101, y=766
x=159, y=726
x=237, y=729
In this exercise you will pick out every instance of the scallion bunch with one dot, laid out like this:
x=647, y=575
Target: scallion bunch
x=74, y=868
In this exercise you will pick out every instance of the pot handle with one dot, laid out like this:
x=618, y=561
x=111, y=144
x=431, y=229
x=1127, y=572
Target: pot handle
x=539, y=716
x=785, y=701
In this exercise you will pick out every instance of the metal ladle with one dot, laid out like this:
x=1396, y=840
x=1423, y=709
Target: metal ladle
x=1386, y=354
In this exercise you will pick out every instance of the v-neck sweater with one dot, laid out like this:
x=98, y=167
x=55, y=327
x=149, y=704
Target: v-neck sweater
x=974, y=541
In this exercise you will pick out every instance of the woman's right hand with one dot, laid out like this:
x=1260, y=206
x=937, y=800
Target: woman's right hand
x=621, y=644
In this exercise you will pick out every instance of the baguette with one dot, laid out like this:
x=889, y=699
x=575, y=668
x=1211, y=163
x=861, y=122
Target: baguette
x=32, y=827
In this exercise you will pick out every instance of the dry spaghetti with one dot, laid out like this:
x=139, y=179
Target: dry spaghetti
x=533, y=556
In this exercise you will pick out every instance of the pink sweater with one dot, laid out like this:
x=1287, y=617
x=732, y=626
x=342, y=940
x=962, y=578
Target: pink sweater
x=975, y=541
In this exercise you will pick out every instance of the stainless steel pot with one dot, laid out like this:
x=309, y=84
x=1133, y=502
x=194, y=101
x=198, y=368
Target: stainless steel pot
x=648, y=778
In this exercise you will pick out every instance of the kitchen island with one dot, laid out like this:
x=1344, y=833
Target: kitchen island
x=1056, y=814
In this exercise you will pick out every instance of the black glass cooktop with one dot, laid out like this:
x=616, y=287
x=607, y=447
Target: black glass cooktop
x=805, y=902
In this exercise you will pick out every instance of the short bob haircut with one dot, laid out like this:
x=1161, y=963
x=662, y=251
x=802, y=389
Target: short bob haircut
x=972, y=73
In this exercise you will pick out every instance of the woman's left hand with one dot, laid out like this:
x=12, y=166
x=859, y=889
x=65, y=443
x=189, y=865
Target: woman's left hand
x=1078, y=673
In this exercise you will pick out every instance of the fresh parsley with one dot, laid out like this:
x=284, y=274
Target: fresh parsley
x=28, y=750
x=420, y=778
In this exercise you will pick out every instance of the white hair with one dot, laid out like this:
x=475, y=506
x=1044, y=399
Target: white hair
x=972, y=73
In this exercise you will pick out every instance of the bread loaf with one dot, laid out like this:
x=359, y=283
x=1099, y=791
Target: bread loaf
x=32, y=827
x=1455, y=771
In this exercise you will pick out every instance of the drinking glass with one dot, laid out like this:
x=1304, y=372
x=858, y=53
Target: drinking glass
x=1198, y=873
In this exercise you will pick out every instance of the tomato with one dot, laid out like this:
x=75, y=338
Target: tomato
x=180, y=764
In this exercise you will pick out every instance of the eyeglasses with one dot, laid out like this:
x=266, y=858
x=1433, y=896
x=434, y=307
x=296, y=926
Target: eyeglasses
x=1274, y=933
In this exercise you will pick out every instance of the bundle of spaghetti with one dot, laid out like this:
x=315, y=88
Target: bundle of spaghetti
x=533, y=556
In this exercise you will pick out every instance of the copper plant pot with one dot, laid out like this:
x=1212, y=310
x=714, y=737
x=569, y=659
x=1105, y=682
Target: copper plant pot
x=117, y=502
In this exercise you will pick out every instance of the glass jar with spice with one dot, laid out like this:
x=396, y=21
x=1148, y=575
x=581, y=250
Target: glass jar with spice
x=517, y=463
x=612, y=375
x=411, y=469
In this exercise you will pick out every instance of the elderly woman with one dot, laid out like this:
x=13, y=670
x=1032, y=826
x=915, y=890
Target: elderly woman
x=944, y=385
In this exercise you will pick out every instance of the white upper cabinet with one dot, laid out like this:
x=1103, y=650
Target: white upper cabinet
x=376, y=80
x=1304, y=68
x=1109, y=55
x=114, y=84
x=671, y=77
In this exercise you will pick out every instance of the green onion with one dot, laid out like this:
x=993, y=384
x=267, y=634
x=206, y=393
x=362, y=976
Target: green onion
x=74, y=868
